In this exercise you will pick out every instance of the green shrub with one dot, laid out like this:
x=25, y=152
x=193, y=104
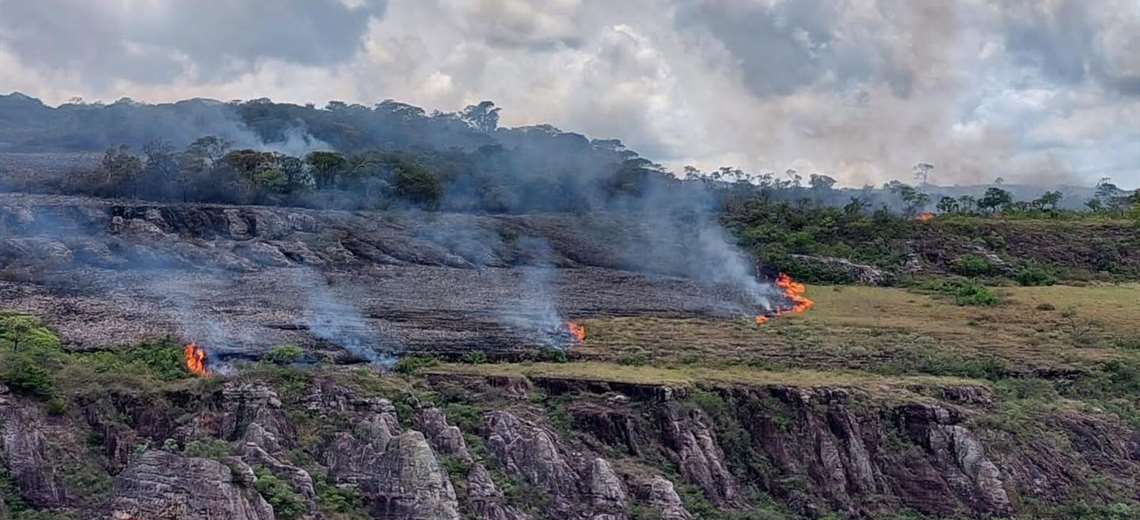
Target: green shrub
x=25, y=375
x=208, y=448
x=22, y=333
x=554, y=355
x=418, y=185
x=976, y=295
x=284, y=355
x=475, y=358
x=1033, y=276
x=635, y=359
x=56, y=407
x=287, y=503
x=343, y=500
x=411, y=364
x=972, y=265
x=964, y=292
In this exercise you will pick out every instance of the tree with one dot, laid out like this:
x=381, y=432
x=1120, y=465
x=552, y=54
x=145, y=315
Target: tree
x=119, y=170
x=967, y=203
x=922, y=171
x=994, y=199
x=794, y=178
x=326, y=167
x=820, y=182
x=483, y=117
x=1048, y=200
x=913, y=199
x=855, y=207
x=948, y=205
x=416, y=184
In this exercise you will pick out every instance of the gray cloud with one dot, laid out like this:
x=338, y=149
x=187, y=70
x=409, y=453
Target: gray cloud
x=859, y=89
x=153, y=42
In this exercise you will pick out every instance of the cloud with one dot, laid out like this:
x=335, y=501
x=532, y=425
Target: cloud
x=152, y=41
x=858, y=89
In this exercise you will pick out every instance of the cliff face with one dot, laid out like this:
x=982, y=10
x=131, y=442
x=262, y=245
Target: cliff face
x=454, y=447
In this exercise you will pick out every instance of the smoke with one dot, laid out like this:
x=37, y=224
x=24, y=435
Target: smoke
x=329, y=317
x=297, y=142
x=534, y=315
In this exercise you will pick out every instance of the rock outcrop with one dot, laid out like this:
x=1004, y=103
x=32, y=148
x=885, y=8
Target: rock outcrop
x=158, y=484
x=27, y=452
x=689, y=435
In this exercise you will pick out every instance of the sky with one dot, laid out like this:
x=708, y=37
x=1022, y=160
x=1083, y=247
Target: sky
x=1044, y=91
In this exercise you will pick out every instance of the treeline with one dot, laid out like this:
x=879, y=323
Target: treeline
x=486, y=179
x=736, y=187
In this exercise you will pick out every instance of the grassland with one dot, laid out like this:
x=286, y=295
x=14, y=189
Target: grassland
x=1034, y=330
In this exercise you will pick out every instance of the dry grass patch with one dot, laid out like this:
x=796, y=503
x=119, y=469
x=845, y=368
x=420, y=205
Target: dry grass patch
x=870, y=328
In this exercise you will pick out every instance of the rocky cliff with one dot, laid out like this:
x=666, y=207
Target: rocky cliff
x=351, y=444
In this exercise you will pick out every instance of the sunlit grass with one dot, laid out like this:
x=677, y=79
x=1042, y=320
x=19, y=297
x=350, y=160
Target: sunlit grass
x=869, y=328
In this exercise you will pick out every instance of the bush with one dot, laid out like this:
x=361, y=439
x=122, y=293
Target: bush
x=25, y=375
x=966, y=292
x=333, y=499
x=975, y=295
x=411, y=364
x=287, y=503
x=1046, y=307
x=635, y=359
x=208, y=448
x=554, y=355
x=475, y=358
x=418, y=185
x=972, y=265
x=284, y=355
x=1033, y=276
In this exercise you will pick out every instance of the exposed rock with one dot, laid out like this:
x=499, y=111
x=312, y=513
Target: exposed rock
x=247, y=403
x=699, y=456
x=39, y=251
x=859, y=273
x=25, y=449
x=659, y=494
x=445, y=438
x=301, y=480
x=158, y=484
x=613, y=425
x=485, y=499
x=237, y=227
x=531, y=452
x=409, y=483
x=606, y=491
x=263, y=253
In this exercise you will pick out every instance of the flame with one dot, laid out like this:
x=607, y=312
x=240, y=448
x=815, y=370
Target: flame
x=761, y=320
x=925, y=217
x=576, y=330
x=794, y=292
x=195, y=359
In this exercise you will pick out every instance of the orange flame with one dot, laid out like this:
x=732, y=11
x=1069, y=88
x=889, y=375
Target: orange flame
x=195, y=359
x=925, y=217
x=576, y=330
x=794, y=291
x=761, y=320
